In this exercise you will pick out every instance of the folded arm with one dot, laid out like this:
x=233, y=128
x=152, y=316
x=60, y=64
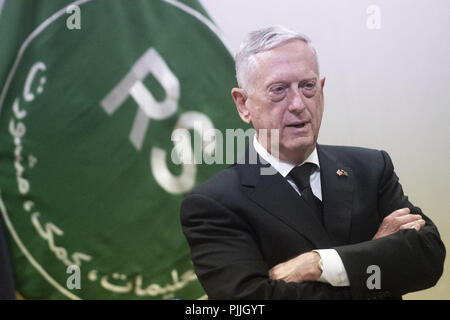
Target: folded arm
x=408, y=259
x=407, y=247
x=227, y=259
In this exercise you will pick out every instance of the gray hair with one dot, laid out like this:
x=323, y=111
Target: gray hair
x=263, y=40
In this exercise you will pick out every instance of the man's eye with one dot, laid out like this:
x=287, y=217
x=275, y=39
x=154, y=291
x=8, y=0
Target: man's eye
x=310, y=85
x=277, y=92
x=309, y=89
x=279, y=89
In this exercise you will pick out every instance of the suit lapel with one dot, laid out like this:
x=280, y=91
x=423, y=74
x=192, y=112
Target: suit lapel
x=337, y=196
x=274, y=194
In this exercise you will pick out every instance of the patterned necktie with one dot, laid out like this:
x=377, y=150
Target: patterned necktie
x=301, y=176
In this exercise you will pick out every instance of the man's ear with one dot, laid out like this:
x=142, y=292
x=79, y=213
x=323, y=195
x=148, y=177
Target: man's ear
x=322, y=85
x=240, y=98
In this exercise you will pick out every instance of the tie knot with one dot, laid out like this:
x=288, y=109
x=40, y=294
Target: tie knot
x=301, y=175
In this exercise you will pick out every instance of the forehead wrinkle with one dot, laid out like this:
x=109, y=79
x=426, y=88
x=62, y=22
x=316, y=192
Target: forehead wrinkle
x=267, y=65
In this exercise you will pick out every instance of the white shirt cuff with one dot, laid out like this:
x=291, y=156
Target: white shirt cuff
x=333, y=269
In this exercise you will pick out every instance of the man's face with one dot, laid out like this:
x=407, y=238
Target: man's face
x=284, y=92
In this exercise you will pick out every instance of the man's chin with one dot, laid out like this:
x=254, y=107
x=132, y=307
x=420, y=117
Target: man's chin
x=299, y=144
x=296, y=152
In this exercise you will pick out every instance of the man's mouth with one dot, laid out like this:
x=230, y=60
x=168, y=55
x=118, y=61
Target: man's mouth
x=300, y=124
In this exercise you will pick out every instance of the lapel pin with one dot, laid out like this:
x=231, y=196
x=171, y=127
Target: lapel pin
x=341, y=172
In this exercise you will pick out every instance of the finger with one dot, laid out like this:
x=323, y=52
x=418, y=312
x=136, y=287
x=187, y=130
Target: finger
x=275, y=273
x=400, y=212
x=277, y=276
x=272, y=273
x=419, y=225
x=408, y=218
x=414, y=225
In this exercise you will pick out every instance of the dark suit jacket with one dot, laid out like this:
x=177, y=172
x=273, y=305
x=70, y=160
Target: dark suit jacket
x=240, y=224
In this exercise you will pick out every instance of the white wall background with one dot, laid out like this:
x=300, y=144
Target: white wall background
x=386, y=88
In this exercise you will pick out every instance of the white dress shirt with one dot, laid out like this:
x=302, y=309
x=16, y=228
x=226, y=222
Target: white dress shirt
x=333, y=269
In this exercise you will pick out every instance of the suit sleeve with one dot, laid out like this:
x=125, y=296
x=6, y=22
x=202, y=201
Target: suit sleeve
x=408, y=260
x=227, y=259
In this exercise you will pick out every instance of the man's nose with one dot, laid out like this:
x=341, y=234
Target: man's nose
x=296, y=104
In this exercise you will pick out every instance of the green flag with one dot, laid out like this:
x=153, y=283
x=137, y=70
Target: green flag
x=91, y=94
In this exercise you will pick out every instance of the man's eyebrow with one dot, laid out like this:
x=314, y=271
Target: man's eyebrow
x=276, y=82
x=315, y=78
x=309, y=79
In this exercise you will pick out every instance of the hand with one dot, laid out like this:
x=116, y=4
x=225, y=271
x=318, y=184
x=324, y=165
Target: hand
x=304, y=267
x=398, y=220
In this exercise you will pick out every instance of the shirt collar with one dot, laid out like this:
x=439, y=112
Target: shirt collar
x=281, y=166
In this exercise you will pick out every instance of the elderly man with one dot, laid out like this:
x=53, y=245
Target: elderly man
x=332, y=223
